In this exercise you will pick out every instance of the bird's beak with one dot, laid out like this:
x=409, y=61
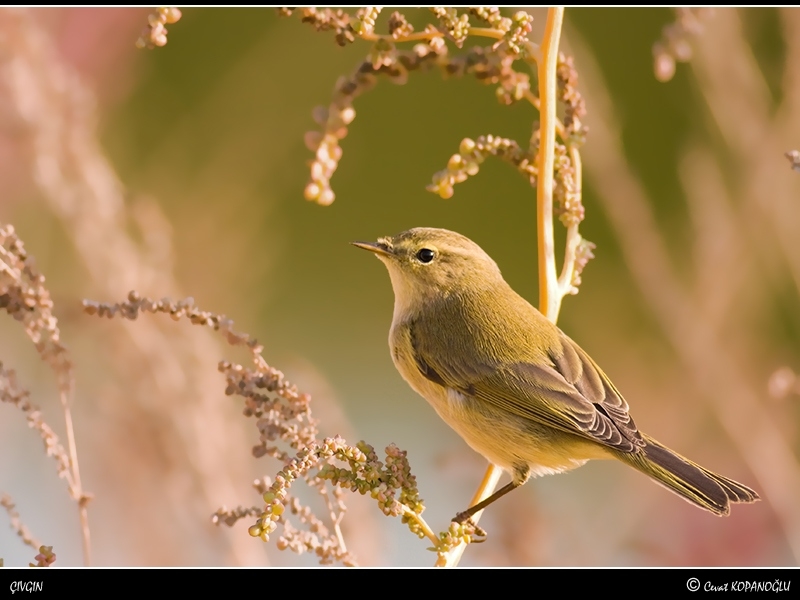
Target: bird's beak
x=379, y=248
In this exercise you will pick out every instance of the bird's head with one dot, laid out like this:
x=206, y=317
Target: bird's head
x=425, y=263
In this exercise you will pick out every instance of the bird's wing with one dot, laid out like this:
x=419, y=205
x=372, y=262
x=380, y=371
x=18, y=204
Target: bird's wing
x=570, y=393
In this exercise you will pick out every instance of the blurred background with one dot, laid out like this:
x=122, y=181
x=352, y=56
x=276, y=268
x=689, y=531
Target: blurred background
x=180, y=171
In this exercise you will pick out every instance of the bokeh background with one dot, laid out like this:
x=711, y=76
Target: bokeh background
x=180, y=171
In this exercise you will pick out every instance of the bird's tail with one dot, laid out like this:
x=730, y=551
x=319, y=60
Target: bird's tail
x=689, y=480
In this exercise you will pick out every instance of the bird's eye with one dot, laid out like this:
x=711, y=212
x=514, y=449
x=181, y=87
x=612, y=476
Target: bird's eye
x=425, y=255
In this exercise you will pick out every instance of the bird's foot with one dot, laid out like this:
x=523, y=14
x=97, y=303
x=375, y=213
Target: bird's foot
x=471, y=527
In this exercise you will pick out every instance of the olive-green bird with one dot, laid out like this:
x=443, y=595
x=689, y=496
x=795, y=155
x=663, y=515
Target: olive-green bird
x=511, y=383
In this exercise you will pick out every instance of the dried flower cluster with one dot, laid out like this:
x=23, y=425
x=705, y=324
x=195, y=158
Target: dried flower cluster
x=289, y=433
x=675, y=43
x=485, y=65
x=491, y=65
x=472, y=153
x=25, y=298
x=384, y=60
x=514, y=30
x=456, y=25
x=583, y=254
x=566, y=194
x=284, y=416
x=11, y=393
x=399, y=27
x=325, y=19
x=16, y=521
x=45, y=558
x=155, y=34
x=574, y=105
x=491, y=68
x=364, y=22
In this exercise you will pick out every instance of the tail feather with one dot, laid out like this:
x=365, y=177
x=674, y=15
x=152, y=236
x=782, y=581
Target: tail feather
x=689, y=480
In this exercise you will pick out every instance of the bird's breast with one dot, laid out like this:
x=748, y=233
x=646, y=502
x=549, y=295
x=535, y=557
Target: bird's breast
x=404, y=359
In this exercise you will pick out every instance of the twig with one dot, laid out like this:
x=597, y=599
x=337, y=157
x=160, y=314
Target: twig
x=549, y=298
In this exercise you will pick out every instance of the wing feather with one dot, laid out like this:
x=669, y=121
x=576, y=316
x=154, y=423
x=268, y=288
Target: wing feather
x=568, y=392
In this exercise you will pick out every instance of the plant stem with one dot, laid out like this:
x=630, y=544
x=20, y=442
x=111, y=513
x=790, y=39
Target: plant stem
x=490, y=479
x=76, y=488
x=550, y=292
x=549, y=296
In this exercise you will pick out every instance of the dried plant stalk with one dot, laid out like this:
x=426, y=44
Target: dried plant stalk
x=53, y=114
x=289, y=433
x=25, y=298
x=8, y=503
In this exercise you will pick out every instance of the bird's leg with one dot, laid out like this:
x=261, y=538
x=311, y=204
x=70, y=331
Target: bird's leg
x=479, y=534
x=467, y=514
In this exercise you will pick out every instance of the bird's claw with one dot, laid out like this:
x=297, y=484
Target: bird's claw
x=465, y=519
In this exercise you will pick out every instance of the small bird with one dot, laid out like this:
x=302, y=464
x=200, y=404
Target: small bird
x=508, y=381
